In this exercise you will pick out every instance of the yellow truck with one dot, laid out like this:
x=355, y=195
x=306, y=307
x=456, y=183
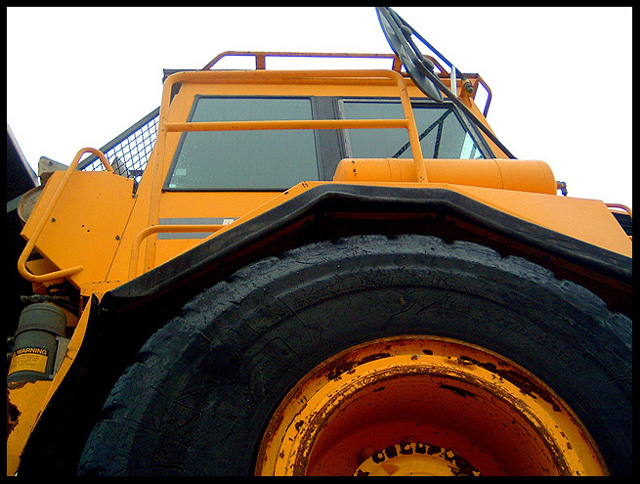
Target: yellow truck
x=319, y=272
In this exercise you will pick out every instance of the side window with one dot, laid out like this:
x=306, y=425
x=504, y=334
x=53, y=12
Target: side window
x=441, y=133
x=245, y=160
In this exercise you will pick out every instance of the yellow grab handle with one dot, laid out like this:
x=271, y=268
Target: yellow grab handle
x=31, y=243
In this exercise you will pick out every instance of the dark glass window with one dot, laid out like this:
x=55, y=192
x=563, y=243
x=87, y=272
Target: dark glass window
x=245, y=160
x=441, y=133
x=280, y=159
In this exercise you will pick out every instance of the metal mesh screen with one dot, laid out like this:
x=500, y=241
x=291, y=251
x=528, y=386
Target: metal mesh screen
x=129, y=152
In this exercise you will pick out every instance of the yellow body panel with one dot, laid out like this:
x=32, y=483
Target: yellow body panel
x=86, y=224
x=27, y=401
x=561, y=214
x=222, y=207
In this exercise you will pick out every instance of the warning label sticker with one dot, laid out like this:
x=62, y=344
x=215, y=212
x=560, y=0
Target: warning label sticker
x=29, y=359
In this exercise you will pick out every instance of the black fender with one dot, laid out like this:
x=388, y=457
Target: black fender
x=126, y=316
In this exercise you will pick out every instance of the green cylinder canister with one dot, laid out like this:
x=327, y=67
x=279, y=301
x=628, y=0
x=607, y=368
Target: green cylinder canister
x=36, y=343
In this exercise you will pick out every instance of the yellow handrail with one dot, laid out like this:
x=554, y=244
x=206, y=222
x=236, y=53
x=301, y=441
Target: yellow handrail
x=154, y=229
x=319, y=76
x=620, y=206
x=260, y=57
x=286, y=124
x=31, y=243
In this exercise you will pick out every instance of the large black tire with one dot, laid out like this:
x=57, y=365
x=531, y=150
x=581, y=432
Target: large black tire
x=204, y=386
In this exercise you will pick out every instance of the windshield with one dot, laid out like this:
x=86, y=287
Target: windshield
x=254, y=160
x=441, y=133
x=265, y=160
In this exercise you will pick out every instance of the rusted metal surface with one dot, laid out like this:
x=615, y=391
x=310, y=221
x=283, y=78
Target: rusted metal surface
x=415, y=459
x=485, y=414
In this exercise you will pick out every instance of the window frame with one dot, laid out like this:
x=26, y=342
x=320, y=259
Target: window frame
x=330, y=144
x=469, y=127
x=176, y=154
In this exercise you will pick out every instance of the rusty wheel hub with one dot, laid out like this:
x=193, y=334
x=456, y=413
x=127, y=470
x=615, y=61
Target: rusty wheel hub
x=415, y=459
x=484, y=413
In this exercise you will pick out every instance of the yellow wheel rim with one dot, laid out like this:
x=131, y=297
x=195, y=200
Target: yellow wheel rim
x=473, y=410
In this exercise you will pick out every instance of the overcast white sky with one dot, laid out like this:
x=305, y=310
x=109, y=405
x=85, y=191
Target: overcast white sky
x=561, y=77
